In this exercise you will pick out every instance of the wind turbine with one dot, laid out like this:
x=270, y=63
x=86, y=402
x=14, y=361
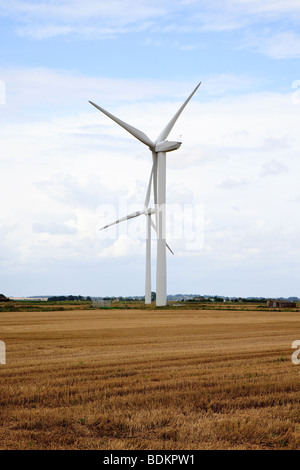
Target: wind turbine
x=159, y=148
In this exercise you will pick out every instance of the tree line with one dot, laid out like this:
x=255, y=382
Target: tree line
x=59, y=298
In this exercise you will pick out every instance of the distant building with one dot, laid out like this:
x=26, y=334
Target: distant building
x=281, y=304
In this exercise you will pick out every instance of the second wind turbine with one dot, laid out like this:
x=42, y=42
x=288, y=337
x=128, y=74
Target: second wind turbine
x=159, y=148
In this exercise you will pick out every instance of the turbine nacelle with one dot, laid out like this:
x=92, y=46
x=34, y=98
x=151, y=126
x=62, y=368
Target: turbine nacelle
x=166, y=146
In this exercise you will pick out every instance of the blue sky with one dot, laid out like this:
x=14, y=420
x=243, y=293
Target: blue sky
x=66, y=170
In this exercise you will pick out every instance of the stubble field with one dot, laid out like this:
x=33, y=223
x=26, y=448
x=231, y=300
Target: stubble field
x=149, y=379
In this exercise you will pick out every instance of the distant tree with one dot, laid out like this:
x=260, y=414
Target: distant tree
x=3, y=298
x=61, y=298
x=153, y=296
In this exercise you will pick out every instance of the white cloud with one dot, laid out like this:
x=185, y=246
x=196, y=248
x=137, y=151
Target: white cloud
x=68, y=17
x=273, y=168
x=230, y=183
x=40, y=85
x=60, y=174
x=89, y=32
x=75, y=10
x=231, y=15
x=69, y=190
x=54, y=228
x=281, y=45
x=123, y=247
x=67, y=170
x=42, y=19
x=273, y=7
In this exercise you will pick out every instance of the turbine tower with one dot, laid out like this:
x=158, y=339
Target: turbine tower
x=159, y=148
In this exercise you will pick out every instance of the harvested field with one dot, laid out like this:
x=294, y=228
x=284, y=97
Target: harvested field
x=149, y=379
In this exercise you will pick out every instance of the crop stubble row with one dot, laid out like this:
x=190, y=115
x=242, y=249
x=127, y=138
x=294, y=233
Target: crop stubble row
x=122, y=379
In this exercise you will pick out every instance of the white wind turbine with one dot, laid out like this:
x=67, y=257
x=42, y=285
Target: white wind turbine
x=159, y=148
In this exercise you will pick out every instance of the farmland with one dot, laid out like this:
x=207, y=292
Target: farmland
x=136, y=378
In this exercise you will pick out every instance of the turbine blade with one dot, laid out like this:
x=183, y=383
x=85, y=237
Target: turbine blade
x=169, y=249
x=154, y=178
x=132, y=130
x=164, y=134
x=154, y=226
x=148, y=190
x=127, y=217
